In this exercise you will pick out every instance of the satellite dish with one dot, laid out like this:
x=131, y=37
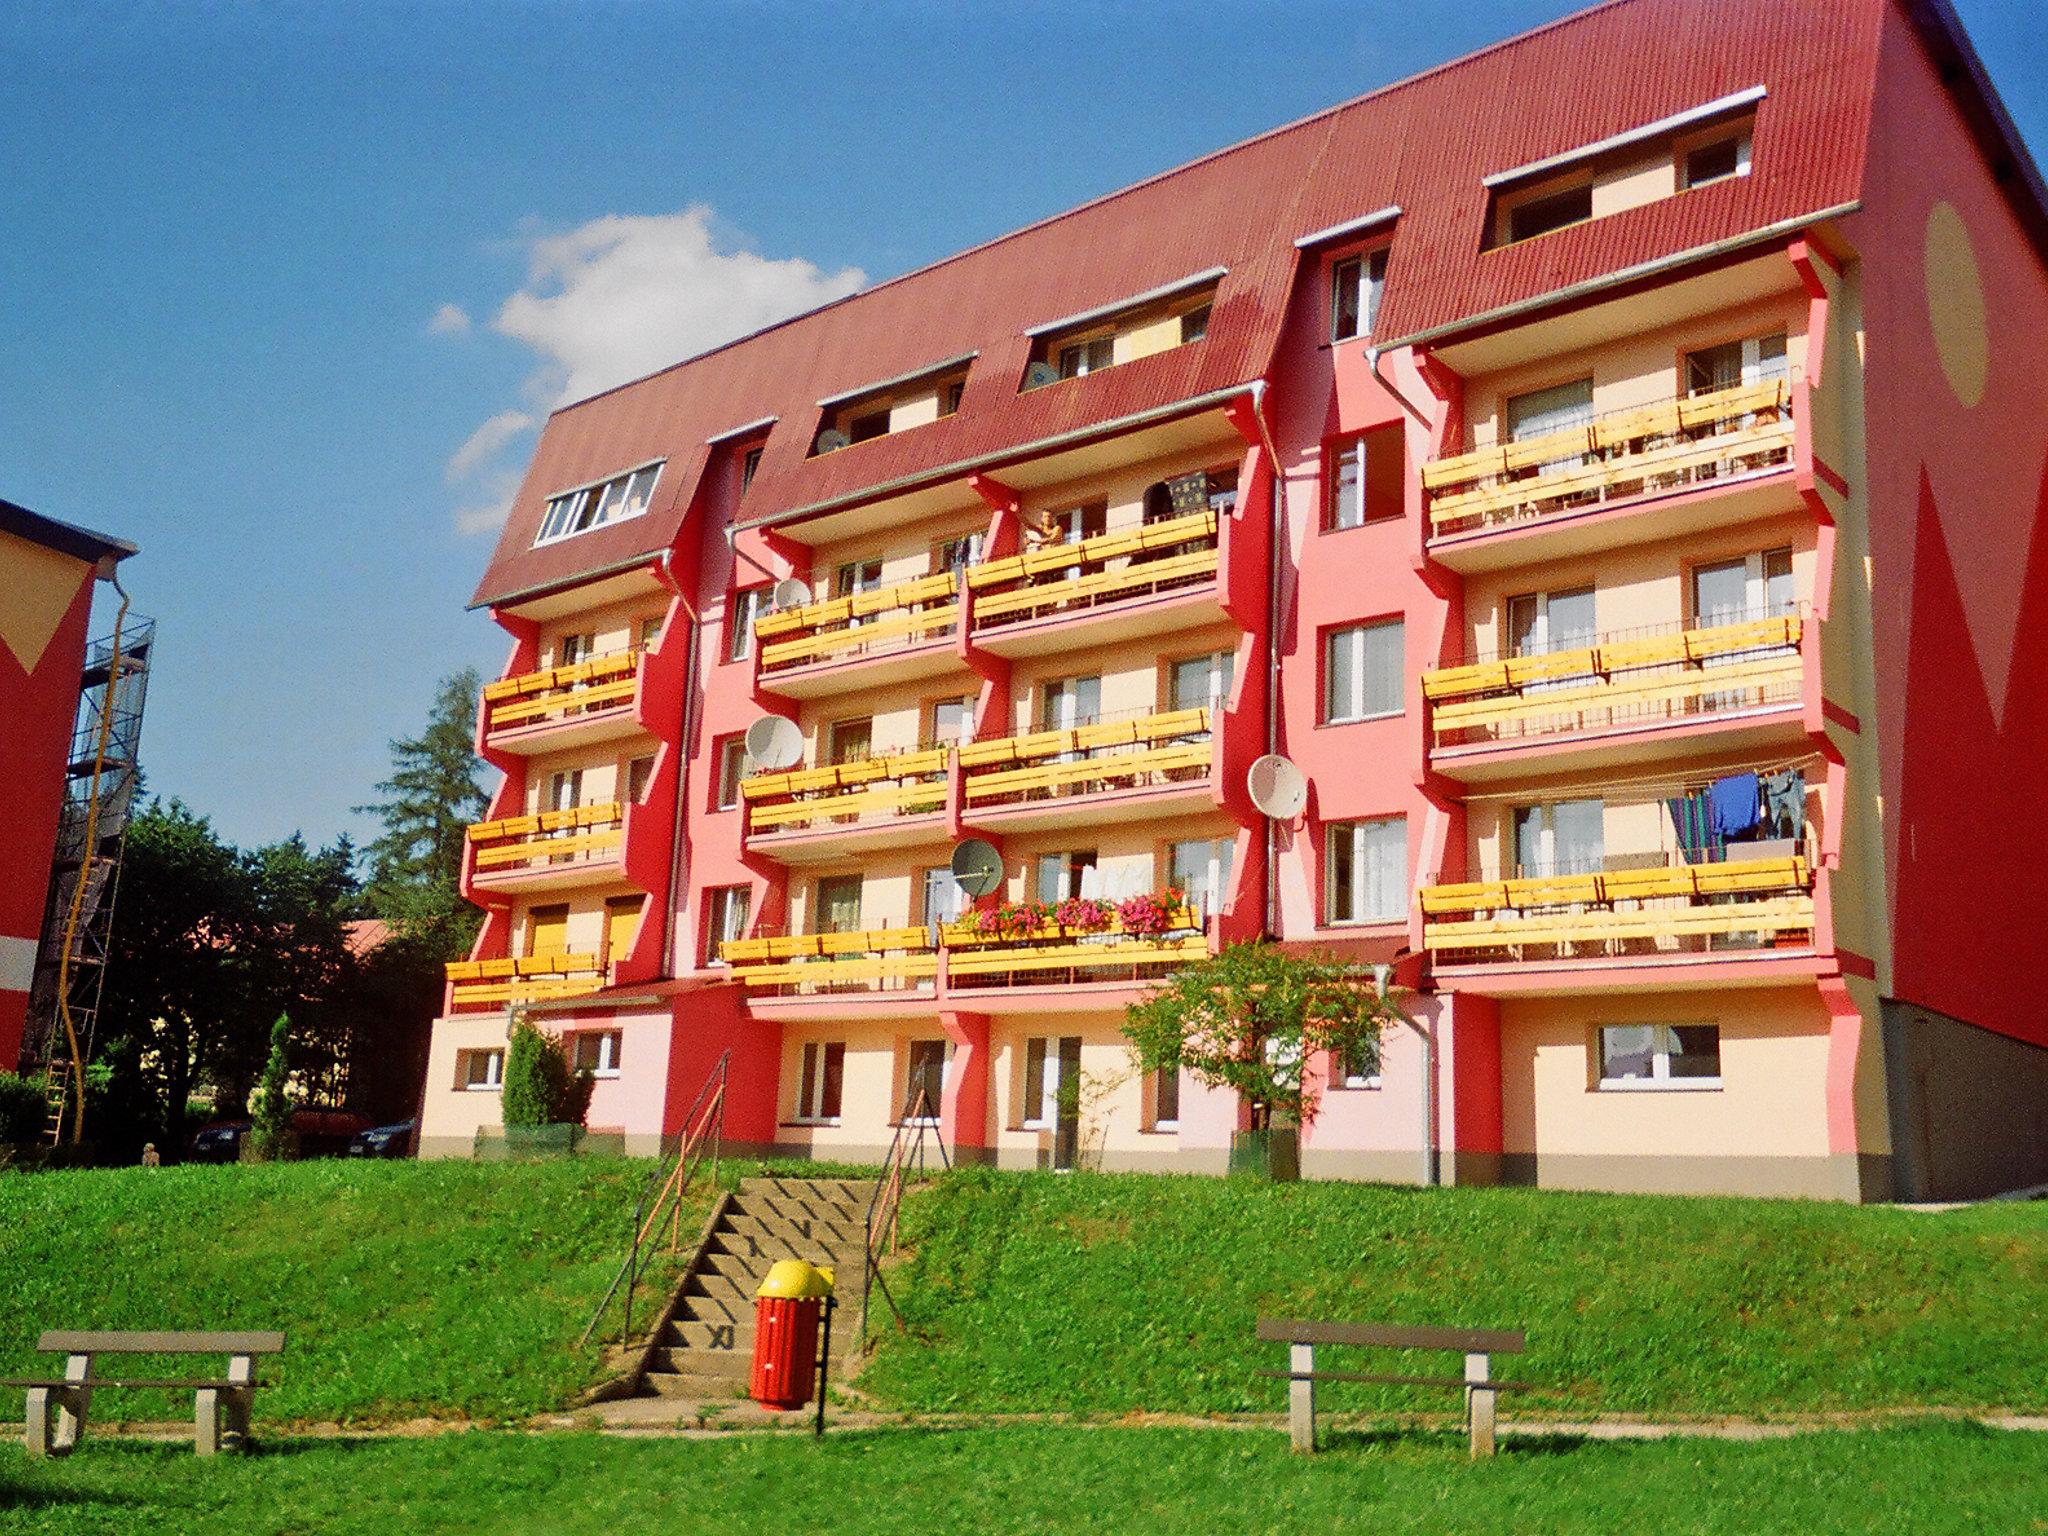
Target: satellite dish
x=1277, y=787
x=774, y=742
x=789, y=593
x=1040, y=374
x=977, y=867
x=831, y=440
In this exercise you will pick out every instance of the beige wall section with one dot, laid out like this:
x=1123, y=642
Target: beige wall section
x=1772, y=1103
x=1648, y=180
x=899, y=714
x=586, y=933
x=450, y=1115
x=1115, y=1100
x=1636, y=586
x=1633, y=821
x=614, y=627
x=872, y=1089
x=1640, y=370
x=1135, y=674
x=906, y=552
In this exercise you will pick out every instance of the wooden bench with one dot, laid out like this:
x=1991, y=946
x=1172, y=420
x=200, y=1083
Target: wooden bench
x=215, y=1398
x=1477, y=1345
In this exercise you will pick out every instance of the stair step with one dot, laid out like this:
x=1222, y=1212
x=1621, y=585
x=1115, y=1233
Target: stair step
x=750, y=1253
x=795, y=1231
x=717, y=1338
x=716, y=1299
x=691, y=1385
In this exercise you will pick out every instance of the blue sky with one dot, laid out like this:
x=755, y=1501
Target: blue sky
x=231, y=227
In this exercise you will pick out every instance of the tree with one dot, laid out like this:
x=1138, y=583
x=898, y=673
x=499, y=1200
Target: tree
x=1252, y=1017
x=433, y=794
x=539, y=1088
x=271, y=1114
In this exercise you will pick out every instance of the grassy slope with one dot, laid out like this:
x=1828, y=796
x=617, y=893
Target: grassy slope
x=1110, y=1292
x=1926, y=1479
x=404, y=1288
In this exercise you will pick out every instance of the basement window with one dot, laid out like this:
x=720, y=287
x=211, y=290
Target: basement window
x=595, y=506
x=1659, y=1056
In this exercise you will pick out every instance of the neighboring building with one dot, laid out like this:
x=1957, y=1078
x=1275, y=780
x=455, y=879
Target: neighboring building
x=47, y=575
x=1531, y=451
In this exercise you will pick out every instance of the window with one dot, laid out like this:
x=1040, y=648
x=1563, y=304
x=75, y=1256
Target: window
x=1362, y=672
x=1166, y=1098
x=1201, y=867
x=1366, y=871
x=1221, y=485
x=1357, y=1069
x=547, y=929
x=940, y=899
x=747, y=606
x=1355, y=285
x=1201, y=682
x=819, y=1080
x=1548, y=211
x=570, y=649
x=1049, y=1062
x=956, y=554
x=1087, y=356
x=1756, y=586
x=650, y=633
x=1058, y=876
x=638, y=773
x=1069, y=702
x=1753, y=361
x=1541, y=412
x=750, y=466
x=853, y=741
x=597, y=1052
x=1077, y=523
x=1364, y=479
x=480, y=1071
x=949, y=402
x=838, y=904
x=732, y=768
x=1194, y=325
x=857, y=576
x=1716, y=160
x=565, y=793
x=593, y=506
x=1660, y=1056
x=1540, y=623
x=871, y=425
x=925, y=1078
x=1565, y=837
x=952, y=722
x=726, y=910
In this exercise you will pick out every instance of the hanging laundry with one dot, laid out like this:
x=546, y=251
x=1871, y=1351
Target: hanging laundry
x=1732, y=802
x=1694, y=823
x=1784, y=804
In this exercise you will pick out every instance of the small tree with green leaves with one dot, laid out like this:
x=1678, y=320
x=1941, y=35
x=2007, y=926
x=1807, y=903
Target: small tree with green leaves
x=271, y=1118
x=540, y=1088
x=1251, y=1018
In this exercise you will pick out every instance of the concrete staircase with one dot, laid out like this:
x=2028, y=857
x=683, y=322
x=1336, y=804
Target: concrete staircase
x=706, y=1349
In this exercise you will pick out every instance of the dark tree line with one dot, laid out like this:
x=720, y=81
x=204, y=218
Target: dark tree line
x=211, y=943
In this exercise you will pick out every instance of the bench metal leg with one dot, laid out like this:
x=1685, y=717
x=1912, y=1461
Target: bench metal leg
x=1301, y=1398
x=1479, y=1402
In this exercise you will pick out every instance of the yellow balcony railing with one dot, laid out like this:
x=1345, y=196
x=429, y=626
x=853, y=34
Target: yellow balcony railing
x=888, y=618
x=1088, y=759
x=879, y=959
x=1672, y=445
x=556, y=693
x=1128, y=562
x=874, y=788
x=1738, y=904
x=523, y=979
x=1628, y=680
x=582, y=833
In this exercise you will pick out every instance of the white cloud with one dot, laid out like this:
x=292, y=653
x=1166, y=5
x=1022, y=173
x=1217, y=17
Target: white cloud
x=485, y=441
x=448, y=320
x=488, y=515
x=626, y=294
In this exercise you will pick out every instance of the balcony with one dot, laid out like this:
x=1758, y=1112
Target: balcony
x=898, y=631
x=1726, y=441
x=874, y=960
x=878, y=802
x=1663, y=911
x=494, y=984
x=1738, y=678
x=1112, y=587
x=566, y=706
x=571, y=847
x=1126, y=769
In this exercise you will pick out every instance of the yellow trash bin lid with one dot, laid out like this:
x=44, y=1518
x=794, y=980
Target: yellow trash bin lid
x=796, y=1280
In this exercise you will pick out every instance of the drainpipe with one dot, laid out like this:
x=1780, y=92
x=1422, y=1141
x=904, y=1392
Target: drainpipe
x=677, y=842
x=1275, y=533
x=1382, y=974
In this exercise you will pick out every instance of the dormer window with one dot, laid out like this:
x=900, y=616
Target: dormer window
x=1089, y=356
x=595, y=506
x=893, y=405
x=1544, y=212
x=1717, y=159
x=1158, y=320
x=1355, y=285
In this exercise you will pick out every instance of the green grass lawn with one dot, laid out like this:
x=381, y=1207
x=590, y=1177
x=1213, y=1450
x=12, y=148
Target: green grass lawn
x=1110, y=1293
x=441, y=1288
x=1127, y=1481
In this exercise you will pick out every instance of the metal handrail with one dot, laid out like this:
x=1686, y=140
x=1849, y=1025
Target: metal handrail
x=701, y=1132
x=905, y=1147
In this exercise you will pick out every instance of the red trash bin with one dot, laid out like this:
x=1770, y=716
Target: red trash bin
x=787, y=1308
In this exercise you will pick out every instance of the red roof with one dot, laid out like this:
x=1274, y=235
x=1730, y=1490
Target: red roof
x=1423, y=144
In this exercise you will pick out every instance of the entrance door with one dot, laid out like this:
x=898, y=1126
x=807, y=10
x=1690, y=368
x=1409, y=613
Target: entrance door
x=1063, y=1083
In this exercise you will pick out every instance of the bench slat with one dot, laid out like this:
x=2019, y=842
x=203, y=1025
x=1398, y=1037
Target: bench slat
x=1294, y=1330
x=131, y=1383
x=1400, y=1381
x=60, y=1341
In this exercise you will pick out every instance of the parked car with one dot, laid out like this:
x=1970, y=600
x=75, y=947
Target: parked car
x=321, y=1133
x=385, y=1140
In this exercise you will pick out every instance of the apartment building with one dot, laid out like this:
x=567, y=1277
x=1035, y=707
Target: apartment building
x=1604, y=467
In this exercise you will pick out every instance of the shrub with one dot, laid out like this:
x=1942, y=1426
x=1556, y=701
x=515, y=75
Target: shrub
x=270, y=1126
x=24, y=1108
x=539, y=1087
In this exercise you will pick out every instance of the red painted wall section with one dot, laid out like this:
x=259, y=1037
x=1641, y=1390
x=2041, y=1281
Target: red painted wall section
x=38, y=702
x=707, y=1022
x=1956, y=310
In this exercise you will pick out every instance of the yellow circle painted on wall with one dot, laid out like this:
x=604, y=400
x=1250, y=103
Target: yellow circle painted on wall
x=1955, y=304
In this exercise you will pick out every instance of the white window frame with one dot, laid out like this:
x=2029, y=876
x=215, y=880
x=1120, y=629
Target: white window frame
x=813, y=1066
x=1165, y=1125
x=1353, y=1081
x=1084, y=363
x=610, y=1044
x=585, y=508
x=1370, y=268
x=1358, y=831
x=494, y=1072
x=1353, y=709
x=748, y=604
x=1221, y=667
x=724, y=901
x=1221, y=858
x=1663, y=1049
x=1686, y=151
x=1551, y=417
x=732, y=771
